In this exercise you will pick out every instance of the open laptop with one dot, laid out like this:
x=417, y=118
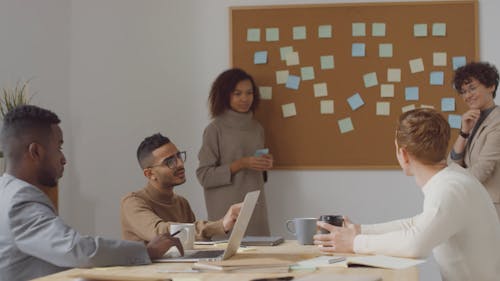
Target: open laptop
x=234, y=240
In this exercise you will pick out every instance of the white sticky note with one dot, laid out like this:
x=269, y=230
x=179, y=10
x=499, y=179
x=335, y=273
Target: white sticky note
x=284, y=51
x=299, y=33
x=307, y=73
x=320, y=90
x=326, y=107
x=420, y=30
x=394, y=75
x=383, y=108
x=378, y=29
x=325, y=31
x=439, y=29
x=439, y=58
x=345, y=125
x=327, y=62
x=416, y=65
x=281, y=76
x=387, y=90
x=288, y=110
x=385, y=50
x=272, y=34
x=266, y=93
x=292, y=58
x=358, y=29
x=253, y=34
x=370, y=79
x=408, y=108
x=427, y=106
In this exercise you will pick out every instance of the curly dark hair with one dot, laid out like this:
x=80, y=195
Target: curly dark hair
x=484, y=72
x=147, y=146
x=224, y=85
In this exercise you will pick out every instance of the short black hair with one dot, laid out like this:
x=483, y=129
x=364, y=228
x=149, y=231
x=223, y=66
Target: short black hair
x=485, y=73
x=23, y=125
x=147, y=146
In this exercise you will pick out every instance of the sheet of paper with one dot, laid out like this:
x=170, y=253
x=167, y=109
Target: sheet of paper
x=358, y=49
x=284, y=51
x=439, y=58
x=355, y=101
x=292, y=58
x=455, y=121
x=383, y=108
x=272, y=34
x=458, y=62
x=370, y=79
x=327, y=62
x=266, y=93
x=281, y=76
x=439, y=29
x=307, y=73
x=385, y=50
x=378, y=29
x=411, y=93
x=420, y=30
x=260, y=57
x=293, y=82
x=326, y=107
x=407, y=108
x=437, y=78
x=325, y=31
x=394, y=75
x=320, y=90
x=448, y=104
x=299, y=33
x=358, y=29
x=288, y=110
x=253, y=35
x=387, y=90
x=345, y=125
x=384, y=261
x=427, y=106
x=416, y=65
x=320, y=261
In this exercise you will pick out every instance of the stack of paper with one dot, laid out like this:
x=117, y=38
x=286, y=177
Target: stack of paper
x=245, y=265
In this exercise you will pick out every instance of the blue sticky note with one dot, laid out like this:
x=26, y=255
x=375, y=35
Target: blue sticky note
x=437, y=78
x=260, y=152
x=293, y=82
x=448, y=104
x=355, y=101
x=260, y=57
x=458, y=62
x=455, y=121
x=358, y=49
x=411, y=93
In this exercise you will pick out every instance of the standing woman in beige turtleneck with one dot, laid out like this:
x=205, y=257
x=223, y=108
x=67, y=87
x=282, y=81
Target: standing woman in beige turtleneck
x=228, y=168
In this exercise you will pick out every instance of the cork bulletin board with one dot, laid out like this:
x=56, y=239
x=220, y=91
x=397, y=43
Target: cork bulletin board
x=334, y=78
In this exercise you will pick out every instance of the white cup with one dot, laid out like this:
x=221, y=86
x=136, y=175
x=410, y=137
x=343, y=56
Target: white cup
x=186, y=234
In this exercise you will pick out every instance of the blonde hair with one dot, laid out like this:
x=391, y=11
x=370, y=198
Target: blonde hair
x=425, y=134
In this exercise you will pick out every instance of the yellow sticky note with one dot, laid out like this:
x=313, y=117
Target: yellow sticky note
x=358, y=29
x=383, y=108
x=439, y=58
x=253, y=35
x=266, y=93
x=370, y=79
x=345, y=125
x=288, y=110
x=292, y=58
x=387, y=90
x=326, y=107
x=408, y=108
x=272, y=34
x=378, y=29
x=320, y=90
x=281, y=76
x=416, y=65
x=394, y=75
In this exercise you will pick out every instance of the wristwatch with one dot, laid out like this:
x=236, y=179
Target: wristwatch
x=464, y=135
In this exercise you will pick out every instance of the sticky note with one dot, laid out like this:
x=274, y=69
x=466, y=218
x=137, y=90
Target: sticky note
x=387, y=90
x=416, y=65
x=394, y=75
x=447, y=104
x=439, y=29
x=326, y=107
x=320, y=90
x=439, y=59
x=455, y=121
x=408, y=108
x=292, y=58
x=383, y=108
x=345, y=125
x=284, y=51
x=385, y=50
x=253, y=35
x=293, y=82
x=358, y=29
x=266, y=93
x=288, y=110
x=355, y=101
x=299, y=32
x=325, y=31
x=411, y=93
x=370, y=79
x=260, y=57
x=427, y=106
x=327, y=62
x=307, y=72
x=272, y=34
x=358, y=49
x=378, y=29
x=281, y=76
x=437, y=78
x=458, y=62
x=420, y=30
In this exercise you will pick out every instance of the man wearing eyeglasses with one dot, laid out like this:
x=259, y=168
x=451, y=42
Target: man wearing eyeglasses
x=149, y=211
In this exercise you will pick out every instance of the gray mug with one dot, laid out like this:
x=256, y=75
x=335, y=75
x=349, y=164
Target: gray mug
x=303, y=229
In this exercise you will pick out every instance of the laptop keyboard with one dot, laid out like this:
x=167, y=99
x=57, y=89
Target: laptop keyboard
x=206, y=254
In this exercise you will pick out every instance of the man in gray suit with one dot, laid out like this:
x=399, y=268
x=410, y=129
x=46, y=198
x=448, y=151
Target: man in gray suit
x=34, y=241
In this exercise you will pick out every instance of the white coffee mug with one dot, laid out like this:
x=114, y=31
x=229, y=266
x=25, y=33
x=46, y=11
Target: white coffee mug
x=186, y=234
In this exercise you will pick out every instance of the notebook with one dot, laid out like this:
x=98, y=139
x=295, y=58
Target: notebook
x=234, y=240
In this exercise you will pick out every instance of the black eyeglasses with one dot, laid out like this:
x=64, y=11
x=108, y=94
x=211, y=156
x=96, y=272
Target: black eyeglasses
x=171, y=161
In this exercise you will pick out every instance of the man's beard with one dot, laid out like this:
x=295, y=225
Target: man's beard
x=46, y=178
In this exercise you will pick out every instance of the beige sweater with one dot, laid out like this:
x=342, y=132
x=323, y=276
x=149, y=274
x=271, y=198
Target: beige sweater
x=148, y=213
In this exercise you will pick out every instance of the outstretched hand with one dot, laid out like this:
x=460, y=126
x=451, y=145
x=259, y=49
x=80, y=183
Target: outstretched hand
x=340, y=239
x=230, y=217
x=161, y=244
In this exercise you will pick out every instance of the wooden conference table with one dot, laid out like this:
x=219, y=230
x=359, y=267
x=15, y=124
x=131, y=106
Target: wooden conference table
x=290, y=250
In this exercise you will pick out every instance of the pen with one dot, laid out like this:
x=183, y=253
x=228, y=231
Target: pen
x=175, y=233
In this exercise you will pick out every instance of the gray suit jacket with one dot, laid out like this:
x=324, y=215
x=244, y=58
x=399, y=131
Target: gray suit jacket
x=35, y=242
